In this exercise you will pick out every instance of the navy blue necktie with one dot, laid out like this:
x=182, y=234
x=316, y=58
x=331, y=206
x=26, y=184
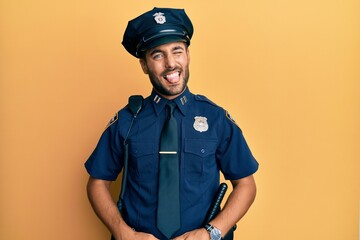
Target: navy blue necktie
x=168, y=212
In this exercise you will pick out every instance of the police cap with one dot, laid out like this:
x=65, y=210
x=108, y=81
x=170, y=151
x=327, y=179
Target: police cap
x=156, y=27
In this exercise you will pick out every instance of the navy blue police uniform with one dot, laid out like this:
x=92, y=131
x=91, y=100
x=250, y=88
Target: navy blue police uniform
x=210, y=141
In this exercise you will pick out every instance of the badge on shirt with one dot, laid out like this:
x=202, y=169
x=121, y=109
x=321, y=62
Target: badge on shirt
x=200, y=124
x=112, y=120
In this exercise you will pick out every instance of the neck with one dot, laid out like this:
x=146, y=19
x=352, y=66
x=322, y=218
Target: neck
x=170, y=97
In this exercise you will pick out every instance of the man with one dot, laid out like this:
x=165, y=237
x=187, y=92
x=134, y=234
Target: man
x=207, y=140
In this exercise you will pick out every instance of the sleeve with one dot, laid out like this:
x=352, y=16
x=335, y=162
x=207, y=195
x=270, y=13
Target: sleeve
x=234, y=156
x=106, y=161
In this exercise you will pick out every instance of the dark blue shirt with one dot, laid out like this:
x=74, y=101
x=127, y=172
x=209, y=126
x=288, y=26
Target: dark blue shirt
x=210, y=141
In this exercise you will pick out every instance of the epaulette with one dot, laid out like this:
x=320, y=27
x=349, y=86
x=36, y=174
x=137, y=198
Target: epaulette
x=204, y=99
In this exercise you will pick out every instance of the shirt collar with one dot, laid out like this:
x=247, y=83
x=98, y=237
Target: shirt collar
x=181, y=101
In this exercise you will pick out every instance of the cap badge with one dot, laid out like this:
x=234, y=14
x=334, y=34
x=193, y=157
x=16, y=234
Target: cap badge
x=200, y=124
x=159, y=18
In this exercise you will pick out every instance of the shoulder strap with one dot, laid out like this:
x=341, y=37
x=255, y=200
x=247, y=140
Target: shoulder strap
x=202, y=98
x=135, y=105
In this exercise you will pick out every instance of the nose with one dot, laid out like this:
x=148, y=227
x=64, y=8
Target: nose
x=170, y=62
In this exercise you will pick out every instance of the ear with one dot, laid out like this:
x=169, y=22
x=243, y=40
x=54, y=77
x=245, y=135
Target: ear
x=144, y=66
x=188, y=54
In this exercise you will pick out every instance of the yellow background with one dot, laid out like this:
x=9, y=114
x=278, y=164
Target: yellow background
x=287, y=71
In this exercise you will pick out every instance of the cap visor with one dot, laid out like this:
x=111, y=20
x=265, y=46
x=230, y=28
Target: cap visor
x=161, y=41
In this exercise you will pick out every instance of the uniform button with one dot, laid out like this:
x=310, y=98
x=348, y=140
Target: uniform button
x=202, y=151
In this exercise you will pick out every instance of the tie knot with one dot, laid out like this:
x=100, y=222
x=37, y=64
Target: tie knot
x=171, y=106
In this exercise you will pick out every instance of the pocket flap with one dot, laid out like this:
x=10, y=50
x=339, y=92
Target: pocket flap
x=200, y=147
x=139, y=149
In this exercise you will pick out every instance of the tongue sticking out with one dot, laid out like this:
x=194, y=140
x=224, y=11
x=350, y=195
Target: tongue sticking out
x=172, y=78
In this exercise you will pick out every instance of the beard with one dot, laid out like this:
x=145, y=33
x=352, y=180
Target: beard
x=171, y=91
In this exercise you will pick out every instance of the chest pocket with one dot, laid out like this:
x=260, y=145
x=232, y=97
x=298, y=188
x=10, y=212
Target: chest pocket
x=199, y=158
x=142, y=162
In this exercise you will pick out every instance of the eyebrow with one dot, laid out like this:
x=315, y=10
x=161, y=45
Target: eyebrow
x=155, y=51
x=159, y=51
x=177, y=48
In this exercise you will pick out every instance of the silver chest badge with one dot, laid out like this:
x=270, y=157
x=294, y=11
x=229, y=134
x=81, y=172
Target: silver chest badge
x=159, y=18
x=200, y=124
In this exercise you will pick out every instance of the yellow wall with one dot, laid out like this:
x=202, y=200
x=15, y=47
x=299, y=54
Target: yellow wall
x=288, y=72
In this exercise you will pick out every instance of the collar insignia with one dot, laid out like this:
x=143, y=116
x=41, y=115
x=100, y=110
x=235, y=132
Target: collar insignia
x=157, y=99
x=183, y=100
x=159, y=18
x=200, y=124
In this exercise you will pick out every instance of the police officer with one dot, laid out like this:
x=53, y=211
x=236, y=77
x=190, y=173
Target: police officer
x=208, y=141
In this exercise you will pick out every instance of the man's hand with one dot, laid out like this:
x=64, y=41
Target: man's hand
x=105, y=207
x=197, y=234
x=138, y=236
